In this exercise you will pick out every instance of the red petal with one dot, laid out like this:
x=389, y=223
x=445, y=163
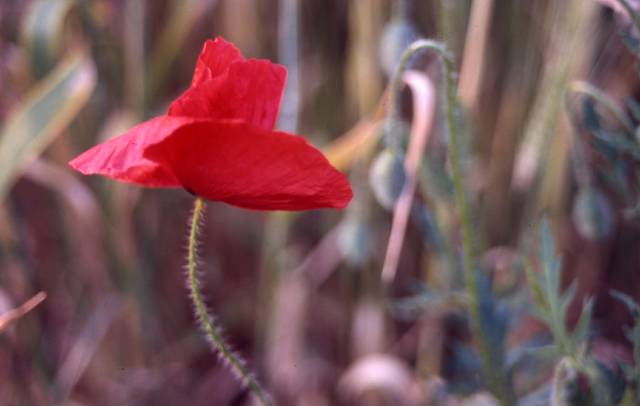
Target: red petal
x=248, y=91
x=122, y=158
x=214, y=60
x=246, y=166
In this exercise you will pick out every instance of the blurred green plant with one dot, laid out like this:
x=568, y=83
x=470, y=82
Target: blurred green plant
x=632, y=370
x=579, y=379
x=43, y=32
x=551, y=304
x=46, y=111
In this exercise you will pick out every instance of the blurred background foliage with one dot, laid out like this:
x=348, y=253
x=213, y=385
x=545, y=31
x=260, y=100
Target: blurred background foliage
x=549, y=128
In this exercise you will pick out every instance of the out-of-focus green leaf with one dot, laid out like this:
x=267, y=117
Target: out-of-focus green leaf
x=566, y=297
x=551, y=305
x=610, y=143
x=43, y=33
x=581, y=331
x=603, y=100
x=534, y=280
x=549, y=351
x=591, y=121
x=50, y=106
x=632, y=371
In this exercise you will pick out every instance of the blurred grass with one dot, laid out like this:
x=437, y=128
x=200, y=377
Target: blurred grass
x=46, y=111
x=301, y=294
x=43, y=31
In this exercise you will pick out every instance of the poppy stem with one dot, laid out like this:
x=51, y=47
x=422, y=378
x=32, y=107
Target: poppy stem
x=206, y=321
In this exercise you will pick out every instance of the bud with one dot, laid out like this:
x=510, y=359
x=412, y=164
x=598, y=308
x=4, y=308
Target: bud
x=387, y=177
x=592, y=214
x=401, y=131
x=397, y=35
x=354, y=239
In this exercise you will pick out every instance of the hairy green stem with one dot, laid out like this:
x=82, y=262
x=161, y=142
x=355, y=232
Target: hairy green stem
x=207, y=324
x=496, y=378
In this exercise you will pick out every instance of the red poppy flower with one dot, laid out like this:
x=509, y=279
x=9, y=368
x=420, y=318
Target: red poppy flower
x=217, y=141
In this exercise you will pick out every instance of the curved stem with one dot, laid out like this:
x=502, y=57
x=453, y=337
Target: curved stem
x=497, y=380
x=207, y=324
x=396, y=85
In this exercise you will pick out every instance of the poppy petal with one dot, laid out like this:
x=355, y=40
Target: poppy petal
x=246, y=166
x=250, y=91
x=214, y=60
x=122, y=158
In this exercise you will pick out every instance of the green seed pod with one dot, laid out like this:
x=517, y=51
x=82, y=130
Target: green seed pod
x=592, y=214
x=387, y=177
x=354, y=239
x=397, y=35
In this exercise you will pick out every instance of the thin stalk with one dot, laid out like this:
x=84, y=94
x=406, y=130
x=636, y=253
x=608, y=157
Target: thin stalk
x=496, y=378
x=206, y=321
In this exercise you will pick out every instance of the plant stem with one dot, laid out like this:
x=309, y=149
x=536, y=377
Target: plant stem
x=496, y=378
x=207, y=324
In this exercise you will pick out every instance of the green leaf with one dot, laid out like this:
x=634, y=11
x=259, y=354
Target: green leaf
x=566, y=298
x=43, y=33
x=535, y=284
x=546, y=351
x=48, y=108
x=620, y=142
x=542, y=315
x=551, y=304
x=581, y=332
x=591, y=121
x=550, y=280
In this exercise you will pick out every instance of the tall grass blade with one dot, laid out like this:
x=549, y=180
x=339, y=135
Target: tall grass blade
x=48, y=108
